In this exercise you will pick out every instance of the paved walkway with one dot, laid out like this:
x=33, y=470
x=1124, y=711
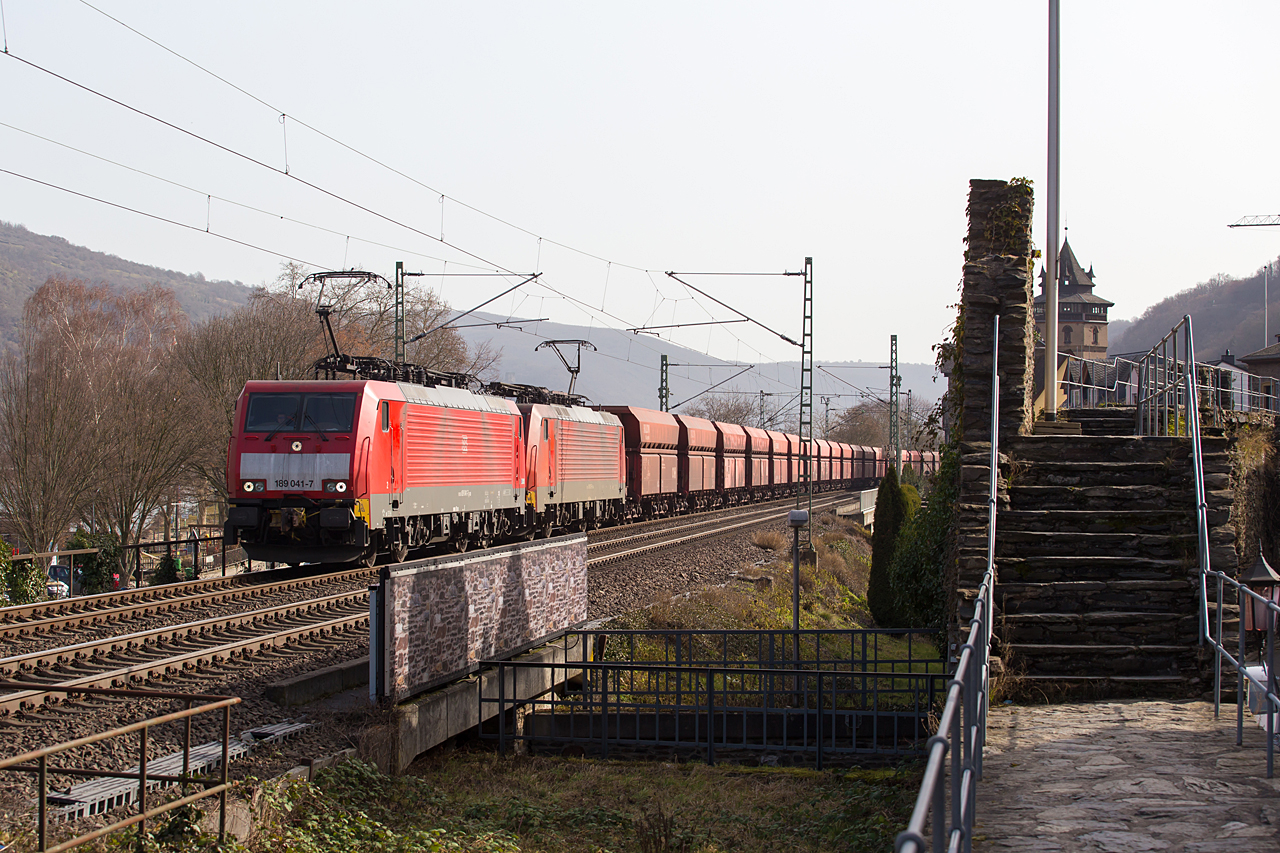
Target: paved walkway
x=1126, y=776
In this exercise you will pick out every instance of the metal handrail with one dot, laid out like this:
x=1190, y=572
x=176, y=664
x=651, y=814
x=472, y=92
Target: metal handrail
x=962, y=727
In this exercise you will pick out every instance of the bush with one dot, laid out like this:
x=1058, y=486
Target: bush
x=913, y=499
x=166, y=572
x=891, y=513
x=917, y=570
x=769, y=540
x=24, y=581
x=95, y=573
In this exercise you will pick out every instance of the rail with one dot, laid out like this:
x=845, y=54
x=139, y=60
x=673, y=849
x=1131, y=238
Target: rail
x=962, y=727
x=36, y=762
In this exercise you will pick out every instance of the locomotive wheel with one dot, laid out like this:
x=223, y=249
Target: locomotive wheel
x=368, y=559
x=462, y=544
x=399, y=553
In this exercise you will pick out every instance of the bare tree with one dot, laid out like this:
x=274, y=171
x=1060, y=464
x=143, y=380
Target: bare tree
x=47, y=447
x=741, y=407
x=119, y=344
x=867, y=424
x=276, y=335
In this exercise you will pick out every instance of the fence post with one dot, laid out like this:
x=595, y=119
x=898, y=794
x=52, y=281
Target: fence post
x=711, y=718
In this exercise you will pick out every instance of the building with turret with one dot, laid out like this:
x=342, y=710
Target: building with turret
x=1082, y=315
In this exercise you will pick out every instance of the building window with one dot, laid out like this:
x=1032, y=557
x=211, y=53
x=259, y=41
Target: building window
x=1095, y=335
x=1066, y=335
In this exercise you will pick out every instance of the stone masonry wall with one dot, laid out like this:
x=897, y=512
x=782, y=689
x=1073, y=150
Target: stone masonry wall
x=446, y=614
x=998, y=273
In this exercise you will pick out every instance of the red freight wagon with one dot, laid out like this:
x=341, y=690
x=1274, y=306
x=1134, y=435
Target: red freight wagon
x=823, y=453
x=731, y=457
x=651, y=439
x=797, y=463
x=780, y=473
x=576, y=458
x=864, y=468
x=697, y=446
x=758, y=445
x=840, y=461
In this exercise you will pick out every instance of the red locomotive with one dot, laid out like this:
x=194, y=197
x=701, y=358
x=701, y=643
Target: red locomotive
x=340, y=470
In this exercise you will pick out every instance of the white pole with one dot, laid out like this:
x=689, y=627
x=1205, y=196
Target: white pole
x=1266, y=329
x=1051, y=261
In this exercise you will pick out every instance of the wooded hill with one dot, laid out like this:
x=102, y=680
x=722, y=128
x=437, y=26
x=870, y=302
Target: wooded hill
x=28, y=259
x=1226, y=313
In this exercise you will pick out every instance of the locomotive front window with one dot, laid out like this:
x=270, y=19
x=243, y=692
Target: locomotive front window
x=298, y=412
x=329, y=412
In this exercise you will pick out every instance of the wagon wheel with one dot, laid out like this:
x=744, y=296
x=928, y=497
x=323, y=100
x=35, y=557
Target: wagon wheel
x=462, y=544
x=368, y=559
x=400, y=552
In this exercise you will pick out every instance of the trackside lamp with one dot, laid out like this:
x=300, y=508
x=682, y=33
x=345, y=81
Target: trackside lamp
x=1263, y=580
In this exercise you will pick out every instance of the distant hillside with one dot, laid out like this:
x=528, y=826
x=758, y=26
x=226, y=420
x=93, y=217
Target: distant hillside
x=1226, y=313
x=625, y=368
x=28, y=259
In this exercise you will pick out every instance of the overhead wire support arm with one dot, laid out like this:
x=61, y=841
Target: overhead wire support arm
x=730, y=307
x=1256, y=221
x=647, y=329
x=450, y=322
x=713, y=387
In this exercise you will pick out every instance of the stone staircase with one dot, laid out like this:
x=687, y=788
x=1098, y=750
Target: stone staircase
x=1096, y=555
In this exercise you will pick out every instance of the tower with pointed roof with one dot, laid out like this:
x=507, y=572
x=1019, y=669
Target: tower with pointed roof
x=1082, y=315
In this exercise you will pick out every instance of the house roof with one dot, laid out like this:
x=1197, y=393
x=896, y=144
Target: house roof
x=1266, y=354
x=1073, y=278
x=1090, y=298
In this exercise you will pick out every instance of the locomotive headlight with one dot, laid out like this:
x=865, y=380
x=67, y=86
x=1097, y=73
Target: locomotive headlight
x=255, y=485
x=340, y=486
x=248, y=485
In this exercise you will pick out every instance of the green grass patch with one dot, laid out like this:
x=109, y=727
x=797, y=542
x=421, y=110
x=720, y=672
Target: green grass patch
x=476, y=801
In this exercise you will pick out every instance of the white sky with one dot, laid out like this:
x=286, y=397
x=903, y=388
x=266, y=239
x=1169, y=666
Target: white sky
x=662, y=135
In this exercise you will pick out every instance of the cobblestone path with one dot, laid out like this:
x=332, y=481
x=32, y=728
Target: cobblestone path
x=1126, y=776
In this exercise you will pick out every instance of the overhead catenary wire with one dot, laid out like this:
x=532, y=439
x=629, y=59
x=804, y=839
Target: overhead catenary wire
x=285, y=116
x=247, y=158
x=233, y=202
x=158, y=218
x=348, y=147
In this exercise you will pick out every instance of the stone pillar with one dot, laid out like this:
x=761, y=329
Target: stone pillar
x=997, y=280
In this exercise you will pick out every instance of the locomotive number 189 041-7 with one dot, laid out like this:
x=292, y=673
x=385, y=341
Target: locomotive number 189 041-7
x=294, y=484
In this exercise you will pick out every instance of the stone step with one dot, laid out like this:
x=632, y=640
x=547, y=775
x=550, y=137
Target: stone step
x=1093, y=660
x=1092, y=596
x=1100, y=498
x=1048, y=543
x=1092, y=448
x=1049, y=570
x=1099, y=473
x=1101, y=627
x=1112, y=420
x=1169, y=521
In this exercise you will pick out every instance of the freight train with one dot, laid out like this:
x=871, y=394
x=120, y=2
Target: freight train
x=344, y=470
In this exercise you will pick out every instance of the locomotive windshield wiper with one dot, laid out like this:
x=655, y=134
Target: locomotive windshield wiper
x=307, y=417
x=279, y=427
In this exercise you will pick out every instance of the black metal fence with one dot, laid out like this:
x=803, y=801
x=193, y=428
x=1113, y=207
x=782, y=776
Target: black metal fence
x=763, y=696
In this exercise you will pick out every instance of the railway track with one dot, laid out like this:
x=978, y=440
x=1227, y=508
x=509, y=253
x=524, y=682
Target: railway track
x=628, y=547
x=117, y=607
x=196, y=650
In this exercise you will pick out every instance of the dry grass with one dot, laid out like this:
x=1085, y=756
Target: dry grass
x=769, y=540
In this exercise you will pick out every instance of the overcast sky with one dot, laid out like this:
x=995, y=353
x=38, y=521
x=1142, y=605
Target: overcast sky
x=648, y=137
